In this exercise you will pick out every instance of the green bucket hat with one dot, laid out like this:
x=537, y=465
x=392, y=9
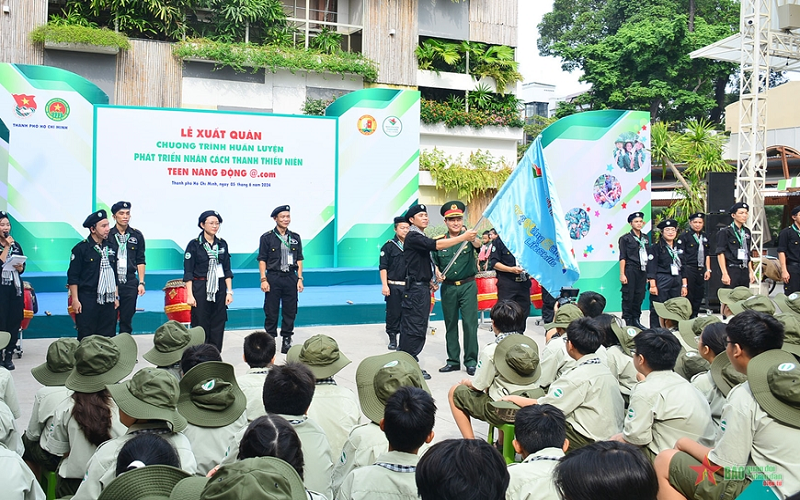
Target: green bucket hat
x=564, y=316
x=774, y=378
x=690, y=329
x=790, y=304
x=690, y=364
x=730, y=296
x=625, y=335
x=210, y=396
x=170, y=340
x=153, y=482
x=675, y=309
x=724, y=374
x=791, y=332
x=320, y=354
x=378, y=377
x=262, y=478
x=100, y=361
x=58, y=363
x=151, y=394
x=517, y=359
x=756, y=303
x=189, y=488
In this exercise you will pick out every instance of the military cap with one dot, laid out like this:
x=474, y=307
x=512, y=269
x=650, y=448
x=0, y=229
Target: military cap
x=736, y=206
x=414, y=210
x=94, y=218
x=668, y=223
x=205, y=215
x=120, y=205
x=452, y=209
x=282, y=208
x=635, y=215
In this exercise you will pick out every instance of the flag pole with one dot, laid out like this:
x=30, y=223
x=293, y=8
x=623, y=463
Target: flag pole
x=460, y=248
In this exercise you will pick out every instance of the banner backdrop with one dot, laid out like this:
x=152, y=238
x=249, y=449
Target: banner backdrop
x=600, y=163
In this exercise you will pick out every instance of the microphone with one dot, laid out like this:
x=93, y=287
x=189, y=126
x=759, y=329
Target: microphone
x=5, y=234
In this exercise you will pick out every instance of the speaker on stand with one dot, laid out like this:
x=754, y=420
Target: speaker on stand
x=720, y=197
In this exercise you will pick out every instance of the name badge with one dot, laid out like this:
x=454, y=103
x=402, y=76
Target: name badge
x=741, y=254
x=290, y=259
x=673, y=269
x=220, y=271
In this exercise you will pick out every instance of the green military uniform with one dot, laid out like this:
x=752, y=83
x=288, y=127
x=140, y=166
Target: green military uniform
x=459, y=294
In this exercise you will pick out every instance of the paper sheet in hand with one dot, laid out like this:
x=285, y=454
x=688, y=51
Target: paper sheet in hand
x=14, y=260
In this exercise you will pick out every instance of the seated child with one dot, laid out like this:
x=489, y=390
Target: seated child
x=762, y=422
x=408, y=423
x=618, y=341
x=540, y=437
x=263, y=478
x=508, y=365
x=462, y=469
x=259, y=354
x=716, y=383
x=193, y=356
x=671, y=314
x=169, y=342
x=591, y=304
x=729, y=296
x=8, y=392
x=334, y=407
x=17, y=479
x=554, y=358
x=145, y=450
x=664, y=407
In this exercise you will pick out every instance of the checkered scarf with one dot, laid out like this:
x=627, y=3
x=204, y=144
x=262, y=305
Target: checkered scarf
x=11, y=275
x=106, y=286
x=122, y=257
x=212, y=281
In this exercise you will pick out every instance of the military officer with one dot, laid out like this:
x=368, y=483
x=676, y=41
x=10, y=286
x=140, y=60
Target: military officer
x=789, y=254
x=92, y=280
x=633, y=251
x=280, y=262
x=419, y=279
x=128, y=243
x=664, y=269
x=696, y=260
x=513, y=282
x=734, y=246
x=459, y=291
x=392, y=269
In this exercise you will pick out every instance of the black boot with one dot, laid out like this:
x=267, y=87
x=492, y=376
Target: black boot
x=286, y=345
x=638, y=325
x=8, y=364
x=392, y=341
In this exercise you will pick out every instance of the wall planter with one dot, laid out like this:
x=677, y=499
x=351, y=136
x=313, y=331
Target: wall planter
x=81, y=47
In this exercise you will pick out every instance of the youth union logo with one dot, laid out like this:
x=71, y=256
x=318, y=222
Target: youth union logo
x=25, y=105
x=57, y=109
x=367, y=125
x=392, y=126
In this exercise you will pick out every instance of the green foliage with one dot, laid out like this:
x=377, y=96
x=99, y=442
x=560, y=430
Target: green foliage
x=564, y=108
x=316, y=106
x=327, y=41
x=158, y=19
x=480, y=174
x=241, y=56
x=536, y=124
x=453, y=115
x=60, y=33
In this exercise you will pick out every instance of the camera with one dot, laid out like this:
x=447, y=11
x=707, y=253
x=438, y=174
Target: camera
x=568, y=296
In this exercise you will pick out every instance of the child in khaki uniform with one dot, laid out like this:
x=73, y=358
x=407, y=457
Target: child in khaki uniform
x=761, y=422
x=169, y=342
x=671, y=314
x=618, y=341
x=664, y=407
x=17, y=479
x=408, y=423
x=554, y=358
x=259, y=354
x=508, y=365
x=587, y=394
x=334, y=408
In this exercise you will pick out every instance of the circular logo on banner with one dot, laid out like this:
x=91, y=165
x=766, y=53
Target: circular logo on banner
x=367, y=125
x=57, y=109
x=392, y=126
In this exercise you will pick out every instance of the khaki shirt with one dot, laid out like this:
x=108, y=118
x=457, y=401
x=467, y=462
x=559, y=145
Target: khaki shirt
x=252, y=385
x=487, y=376
x=750, y=437
x=554, y=360
x=336, y=410
x=65, y=438
x=621, y=366
x=533, y=478
x=9, y=436
x=704, y=383
x=665, y=407
x=45, y=403
x=17, y=479
x=209, y=444
x=364, y=444
x=102, y=467
x=589, y=397
x=392, y=476
x=8, y=393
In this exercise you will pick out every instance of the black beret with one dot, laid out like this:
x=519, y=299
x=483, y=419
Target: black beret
x=452, y=209
x=3, y=215
x=282, y=208
x=94, y=218
x=668, y=223
x=697, y=215
x=398, y=220
x=120, y=205
x=205, y=215
x=736, y=206
x=414, y=210
x=635, y=215
x=795, y=211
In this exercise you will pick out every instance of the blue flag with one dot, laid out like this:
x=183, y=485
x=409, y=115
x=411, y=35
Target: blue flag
x=527, y=215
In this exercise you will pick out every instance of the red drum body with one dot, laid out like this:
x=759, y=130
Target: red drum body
x=487, y=290
x=175, y=305
x=28, y=312
x=536, y=294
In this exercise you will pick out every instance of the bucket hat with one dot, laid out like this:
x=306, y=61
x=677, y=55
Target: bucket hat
x=774, y=378
x=690, y=364
x=690, y=329
x=58, y=363
x=189, y=488
x=152, y=482
x=378, y=377
x=730, y=296
x=675, y=309
x=564, y=316
x=320, y=354
x=755, y=303
x=790, y=304
x=151, y=394
x=210, y=396
x=170, y=340
x=517, y=359
x=791, y=332
x=724, y=374
x=625, y=335
x=100, y=361
x=266, y=478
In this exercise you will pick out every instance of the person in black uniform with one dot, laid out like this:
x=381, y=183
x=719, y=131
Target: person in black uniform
x=280, y=262
x=664, y=268
x=393, y=275
x=633, y=252
x=12, y=300
x=513, y=283
x=695, y=260
x=207, y=273
x=92, y=280
x=789, y=254
x=129, y=245
x=734, y=246
x=416, y=302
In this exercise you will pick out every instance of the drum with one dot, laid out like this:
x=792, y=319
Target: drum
x=70, y=310
x=175, y=302
x=536, y=294
x=433, y=302
x=487, y=289
x=28, y=312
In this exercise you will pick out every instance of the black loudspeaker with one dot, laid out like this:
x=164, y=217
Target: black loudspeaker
x=720, y=189
x=715, y=221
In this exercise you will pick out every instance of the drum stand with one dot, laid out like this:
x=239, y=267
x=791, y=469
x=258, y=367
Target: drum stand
x=18, y=348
